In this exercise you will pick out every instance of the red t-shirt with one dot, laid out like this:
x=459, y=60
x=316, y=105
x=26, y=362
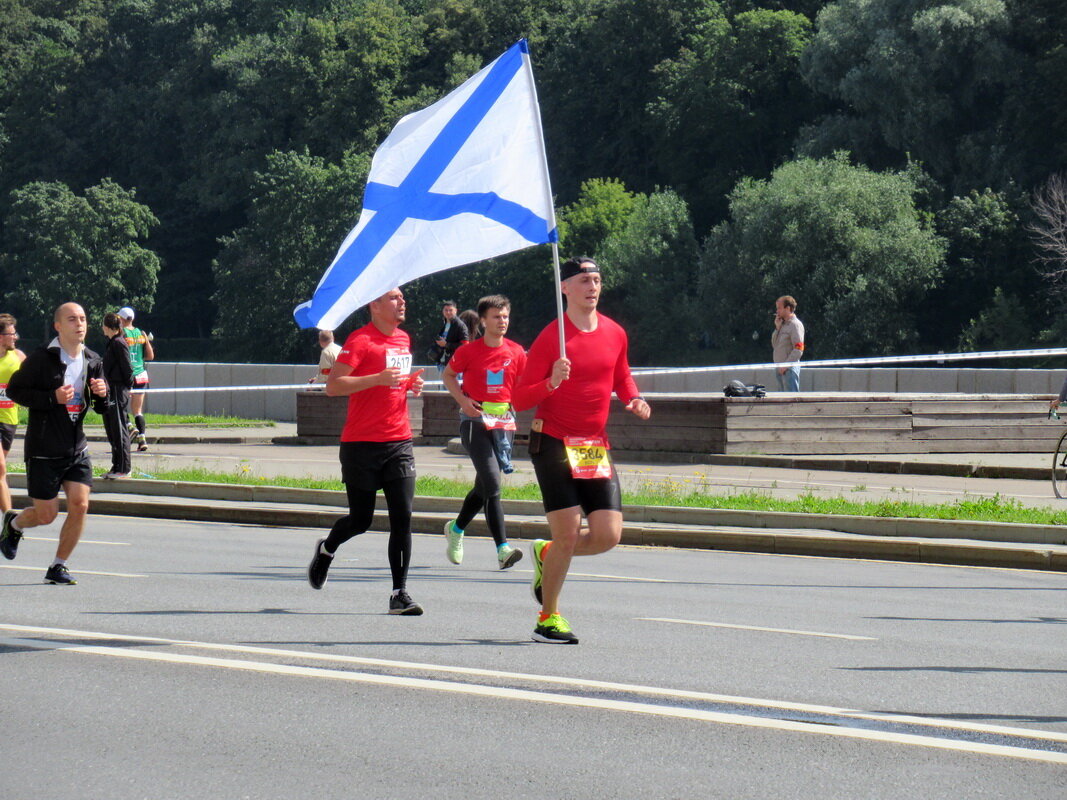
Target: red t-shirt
x=380, y=413
x=579, y=407
x=489, y=373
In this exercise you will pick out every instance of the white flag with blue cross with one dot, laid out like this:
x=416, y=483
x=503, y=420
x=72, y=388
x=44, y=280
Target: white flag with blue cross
x=460, y=181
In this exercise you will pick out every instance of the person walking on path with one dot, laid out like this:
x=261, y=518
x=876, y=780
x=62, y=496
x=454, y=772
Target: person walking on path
x=141, y=350
x=327, y=357
x=787, y=343
x=490, y=366
x=568, y=442
x=451, y=337
x=11, y=359
x=118, y=372
x=374, y=371
x=57, y=383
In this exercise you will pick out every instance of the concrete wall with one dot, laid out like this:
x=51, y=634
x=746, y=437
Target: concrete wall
x=280, y=404
x=873, y=380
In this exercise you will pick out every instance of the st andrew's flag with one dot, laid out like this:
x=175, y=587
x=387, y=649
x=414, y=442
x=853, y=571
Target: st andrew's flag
x=463, y=180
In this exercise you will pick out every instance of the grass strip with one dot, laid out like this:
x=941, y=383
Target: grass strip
x=153, y=420
x=979, y=509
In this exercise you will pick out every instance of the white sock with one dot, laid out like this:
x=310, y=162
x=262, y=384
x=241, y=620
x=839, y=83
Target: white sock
x=396, y=592
x=323, y=550
x=59, y=562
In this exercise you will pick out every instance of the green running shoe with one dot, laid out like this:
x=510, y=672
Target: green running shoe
x=535, y=551
x=454, y=548
x=508, y=556
x=554, y=630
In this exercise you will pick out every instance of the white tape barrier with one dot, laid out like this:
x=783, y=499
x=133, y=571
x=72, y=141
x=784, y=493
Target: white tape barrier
x=830, y=362
x=863, y=362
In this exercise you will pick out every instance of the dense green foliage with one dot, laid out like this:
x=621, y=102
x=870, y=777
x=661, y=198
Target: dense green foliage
x=203, y=159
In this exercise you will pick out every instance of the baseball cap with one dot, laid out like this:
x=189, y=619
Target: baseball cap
x=126, y=312
x=577, y=266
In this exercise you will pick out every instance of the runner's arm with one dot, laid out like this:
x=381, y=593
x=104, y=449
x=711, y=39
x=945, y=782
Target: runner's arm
x=21, y=389
x=342, y=382
x=451, y=382
x=541, y=377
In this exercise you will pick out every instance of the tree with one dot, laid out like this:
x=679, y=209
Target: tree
x=650, y=271
x=932, y=80
x=301, y=210
x=847, y=242
x=731, y=104
x=603, y=207
x=1049, y=230
x=59, y=247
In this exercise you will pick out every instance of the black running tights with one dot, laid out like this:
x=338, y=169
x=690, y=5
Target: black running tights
x=399, y=495
x=486, y=492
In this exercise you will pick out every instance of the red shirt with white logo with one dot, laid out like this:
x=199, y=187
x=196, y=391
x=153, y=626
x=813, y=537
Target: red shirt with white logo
x=489, y=373
x=380, y=413
x=579, y=406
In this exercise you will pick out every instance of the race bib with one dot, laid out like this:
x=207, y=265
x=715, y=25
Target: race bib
x=498, y=416
x=588, y=457
x=400, y=359
x=4, y=401
x=75, y=406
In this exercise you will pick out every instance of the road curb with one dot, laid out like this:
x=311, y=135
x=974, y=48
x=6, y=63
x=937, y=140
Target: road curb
x=525, y=522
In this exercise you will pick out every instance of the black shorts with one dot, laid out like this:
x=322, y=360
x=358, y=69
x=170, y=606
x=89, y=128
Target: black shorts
x=45, y=476
x=371, y=465
x=7, y=436
x=560, y=489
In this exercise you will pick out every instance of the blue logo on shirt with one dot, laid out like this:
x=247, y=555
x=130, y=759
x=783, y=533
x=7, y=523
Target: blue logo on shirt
x=494, y=378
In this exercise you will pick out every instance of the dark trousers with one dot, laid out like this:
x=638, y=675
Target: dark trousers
x=115, y=421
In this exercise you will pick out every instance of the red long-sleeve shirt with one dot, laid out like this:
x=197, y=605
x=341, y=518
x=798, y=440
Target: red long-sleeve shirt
x=579, y=407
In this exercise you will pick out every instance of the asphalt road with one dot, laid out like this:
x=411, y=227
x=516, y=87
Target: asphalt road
x=193, y=661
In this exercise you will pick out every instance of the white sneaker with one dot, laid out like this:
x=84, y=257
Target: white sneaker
x=115, y=476
x=454, y=547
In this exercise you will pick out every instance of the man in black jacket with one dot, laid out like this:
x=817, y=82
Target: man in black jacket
x=57, y=383
x=118, y=372
x=452, y=335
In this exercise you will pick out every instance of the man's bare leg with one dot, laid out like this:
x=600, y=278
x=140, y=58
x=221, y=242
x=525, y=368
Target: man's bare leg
x=569, y=539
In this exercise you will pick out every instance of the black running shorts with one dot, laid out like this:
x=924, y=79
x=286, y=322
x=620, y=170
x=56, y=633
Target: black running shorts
x=371, y=465
x=45, y=476
x=7, y=436
x=559, y=489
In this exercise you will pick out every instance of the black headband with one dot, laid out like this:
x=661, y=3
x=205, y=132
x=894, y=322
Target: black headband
x=576, y=266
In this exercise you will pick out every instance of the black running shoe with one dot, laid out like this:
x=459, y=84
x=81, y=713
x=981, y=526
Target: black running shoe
x=9, y=537
x=403, y=604
x=319, y=566
x=58, y=574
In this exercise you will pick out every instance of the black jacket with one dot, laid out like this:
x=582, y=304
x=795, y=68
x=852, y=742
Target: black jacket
x=457, y=335
x=118, y=369
x=51, y=431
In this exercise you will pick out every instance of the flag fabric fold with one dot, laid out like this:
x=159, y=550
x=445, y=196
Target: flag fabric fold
x=460, y=181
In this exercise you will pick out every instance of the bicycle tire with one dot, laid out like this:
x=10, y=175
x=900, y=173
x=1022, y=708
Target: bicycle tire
x=1059, y=468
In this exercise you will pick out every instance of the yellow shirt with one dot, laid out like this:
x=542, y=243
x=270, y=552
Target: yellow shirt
x=9, y=364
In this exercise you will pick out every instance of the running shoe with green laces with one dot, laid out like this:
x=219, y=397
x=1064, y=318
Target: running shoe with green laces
x=454, y=548
x=535, y=551
x=508, y=556
x=554, y=630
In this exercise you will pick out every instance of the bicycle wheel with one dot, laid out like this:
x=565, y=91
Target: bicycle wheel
x=1059, y=468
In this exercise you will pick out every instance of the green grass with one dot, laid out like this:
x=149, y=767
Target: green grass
x=672, y=493
x=154, y=420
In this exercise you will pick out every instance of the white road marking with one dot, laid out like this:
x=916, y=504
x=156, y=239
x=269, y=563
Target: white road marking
x=610, y=577
x=758, y=628
x=678, y=694
x=80, y=572
x=504, y=693
x=80, y=541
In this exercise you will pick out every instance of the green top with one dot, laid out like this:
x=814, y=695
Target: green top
x=136, y=339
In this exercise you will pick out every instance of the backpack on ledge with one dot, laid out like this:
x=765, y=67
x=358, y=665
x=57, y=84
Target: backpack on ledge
x=738, y=389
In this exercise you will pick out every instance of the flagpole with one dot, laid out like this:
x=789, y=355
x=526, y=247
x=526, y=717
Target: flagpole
x=528, y=64
x=559, y=299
